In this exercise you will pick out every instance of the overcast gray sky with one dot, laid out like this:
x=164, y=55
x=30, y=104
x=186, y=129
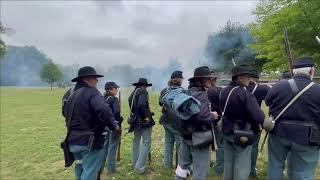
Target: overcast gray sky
x=106, y=33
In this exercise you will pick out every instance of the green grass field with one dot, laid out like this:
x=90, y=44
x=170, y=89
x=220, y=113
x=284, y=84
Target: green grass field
x=32, y=128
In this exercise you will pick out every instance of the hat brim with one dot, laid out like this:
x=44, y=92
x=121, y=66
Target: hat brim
x=200, y=77
x=79, y=77
x=243, y=73
x=141, y=84
x=254, y=76
x=112, y=87
x=303, y=66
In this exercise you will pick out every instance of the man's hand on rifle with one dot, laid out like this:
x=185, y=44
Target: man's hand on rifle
x=117, y=132
x=215, y=114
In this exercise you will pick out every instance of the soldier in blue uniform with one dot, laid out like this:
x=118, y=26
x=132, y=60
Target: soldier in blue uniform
x=240, y=120
x=260, y=92
x=198, y=157
x=172, y=135
x=112, y=138
x=142, y=124
x=91, y=114
x=213, y=95
x=297, y=131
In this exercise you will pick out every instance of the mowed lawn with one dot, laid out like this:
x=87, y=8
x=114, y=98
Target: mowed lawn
x=32, y=128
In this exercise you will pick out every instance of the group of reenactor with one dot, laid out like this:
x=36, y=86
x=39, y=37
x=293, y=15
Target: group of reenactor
x=233, y=114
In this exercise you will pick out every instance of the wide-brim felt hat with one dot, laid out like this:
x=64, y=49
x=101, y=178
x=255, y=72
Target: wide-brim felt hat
x=241, y=70
x=254, y=73
x=142, y=82
x=203, y=72
x=86, y=71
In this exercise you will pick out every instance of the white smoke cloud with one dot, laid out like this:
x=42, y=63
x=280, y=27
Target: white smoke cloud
x=106, y=33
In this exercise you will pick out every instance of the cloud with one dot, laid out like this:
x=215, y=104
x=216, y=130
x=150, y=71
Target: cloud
x=87, y=43
x=119, y=32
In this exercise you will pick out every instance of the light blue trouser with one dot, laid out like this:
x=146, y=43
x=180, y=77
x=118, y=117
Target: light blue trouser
x=254, y=154
x=237, y=160
x=140, y=153
x=302, y=161
x=198, y=158
x=110, y=152
x=219, y=152
x=172, y=136
x=88, y=163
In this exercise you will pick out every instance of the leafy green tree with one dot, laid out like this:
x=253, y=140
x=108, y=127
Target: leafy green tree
x=4, y=30
x=231, y=43
x=2, y=44
x=301, y=18
x=2, y=48
x=50, y=73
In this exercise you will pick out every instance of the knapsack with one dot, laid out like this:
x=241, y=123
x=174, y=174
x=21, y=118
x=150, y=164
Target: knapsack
x=179, y=106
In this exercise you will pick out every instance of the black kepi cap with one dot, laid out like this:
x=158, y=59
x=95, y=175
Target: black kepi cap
x=303, y=62
x=110, y=85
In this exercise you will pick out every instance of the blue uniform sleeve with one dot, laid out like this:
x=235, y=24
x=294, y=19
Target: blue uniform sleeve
x=116, y=108
x=269, y=97
x=265, y=91
x=254, y=110
x=204, y=116
x=102, y=109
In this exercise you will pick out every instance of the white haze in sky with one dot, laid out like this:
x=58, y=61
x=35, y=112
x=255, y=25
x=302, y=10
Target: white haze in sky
x=106, y=33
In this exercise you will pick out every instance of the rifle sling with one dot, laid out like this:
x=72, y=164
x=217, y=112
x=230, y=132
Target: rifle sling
x=293, y=100
x=74, y=96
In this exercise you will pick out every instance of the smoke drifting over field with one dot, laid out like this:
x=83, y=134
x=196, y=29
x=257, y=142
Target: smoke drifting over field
x=106, y=34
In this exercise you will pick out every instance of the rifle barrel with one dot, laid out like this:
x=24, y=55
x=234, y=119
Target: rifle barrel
x=288, y=51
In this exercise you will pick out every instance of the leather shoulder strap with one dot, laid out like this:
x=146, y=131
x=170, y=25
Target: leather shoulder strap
x=255, y=88
x=293, y=100
x=74, y=96
x=133, y=98
x=293, y=86
x=108, y=99
x=225, y=105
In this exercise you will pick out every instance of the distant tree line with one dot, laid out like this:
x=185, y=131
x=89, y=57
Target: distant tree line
x=28, y=66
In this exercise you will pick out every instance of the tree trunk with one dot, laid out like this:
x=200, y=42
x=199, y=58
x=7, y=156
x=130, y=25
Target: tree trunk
x=51, y=86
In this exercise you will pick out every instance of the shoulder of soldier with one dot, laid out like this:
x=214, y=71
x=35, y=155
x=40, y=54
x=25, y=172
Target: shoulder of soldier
x=141, y=92
x=111, y=98
x=144, y=91
x=198, y=94
x=114, y=99
x=263, y=87
x=283, y=84
x=91, y=91
x=317, y=84
x=66, y=94
x=242, y=91
x=163, y=90
x=241, y=94
x=214, y=91
x=211, y=89
x=316, y=88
